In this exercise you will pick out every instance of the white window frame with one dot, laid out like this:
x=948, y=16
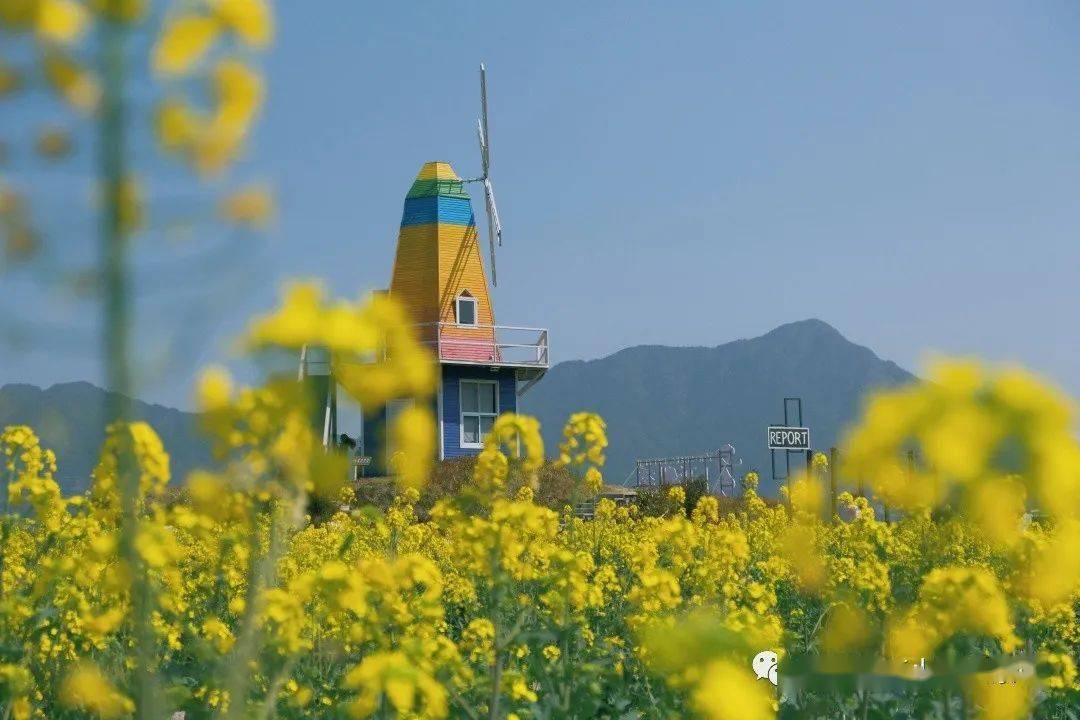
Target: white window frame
x=466, y=297
x=462, y=414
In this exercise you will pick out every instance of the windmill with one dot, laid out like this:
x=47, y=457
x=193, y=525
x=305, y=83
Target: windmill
x=494, y=226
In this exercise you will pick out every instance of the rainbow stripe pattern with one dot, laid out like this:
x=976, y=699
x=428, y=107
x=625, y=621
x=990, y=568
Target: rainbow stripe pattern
x=437, y=196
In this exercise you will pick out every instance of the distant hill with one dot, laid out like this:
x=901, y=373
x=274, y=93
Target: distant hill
x=664, y=401
x=69, y=419
x=658, y=401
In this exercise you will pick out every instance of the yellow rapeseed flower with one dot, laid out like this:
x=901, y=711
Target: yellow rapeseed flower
x=730, y=692
x=252, y=205
x=239, y=91
x=413, y=434
x=62, y=20
x=127, y=11
x=76, y=84
x=87, y=688
x=252, y=20
x=184, y=41
x=177, y=126
x=214, y=389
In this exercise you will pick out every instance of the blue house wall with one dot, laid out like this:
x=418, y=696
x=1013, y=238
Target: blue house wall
x=374, y=437
x=452, y=375
x=374, y=433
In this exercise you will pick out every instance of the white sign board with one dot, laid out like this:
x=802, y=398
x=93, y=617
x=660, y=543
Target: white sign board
x=782, y=437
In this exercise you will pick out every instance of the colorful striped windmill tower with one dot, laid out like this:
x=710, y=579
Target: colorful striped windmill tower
x=438, y=270
x=439, y=276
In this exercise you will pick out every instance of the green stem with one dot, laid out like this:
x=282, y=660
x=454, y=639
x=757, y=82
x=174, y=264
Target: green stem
x=497, y=641
x=114, y=272
x=261, y=572
x=115, y=336
x=270, y=701
x=461, y=703
x=4, y=526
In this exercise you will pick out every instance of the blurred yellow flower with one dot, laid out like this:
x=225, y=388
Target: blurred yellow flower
x=239, y=91
x=10, y=80
x=1000, y=695
x=61, y=20
x=996, y=506
x=53, y=142
x=413, y=435
x=252, y=20
x=120, y=10
x=807, y=496
x=952, y=600
x=1053, y=575
x=252, y=205
x=214, y=388
x=184, y=41
x=298, y=322
x=594, y=480
x=519, y=436
x=87, y=688
x=392, y=676
x=731, y=692
x=218, y=634
x=151, y=461
x=19, y=14
x=176, y=125
x=677, y=495
x=77, y=85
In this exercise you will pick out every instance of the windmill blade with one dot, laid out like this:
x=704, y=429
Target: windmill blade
x=485, y=136
x=494, y=226
x=482, y=134
x=483, y=147
x=493, y=211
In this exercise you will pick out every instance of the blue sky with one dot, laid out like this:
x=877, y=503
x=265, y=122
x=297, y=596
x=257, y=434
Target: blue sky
x=675, y=173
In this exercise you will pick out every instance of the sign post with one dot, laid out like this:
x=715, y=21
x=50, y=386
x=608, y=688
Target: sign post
x=783, y=437
x=791, y=437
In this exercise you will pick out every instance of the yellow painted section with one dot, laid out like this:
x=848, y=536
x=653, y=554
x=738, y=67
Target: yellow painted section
x=433, y=265
x=415, y=274
x=437, y=171
x=461, y=267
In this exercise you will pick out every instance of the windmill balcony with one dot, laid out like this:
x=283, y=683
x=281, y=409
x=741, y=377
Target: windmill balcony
x=492, y=345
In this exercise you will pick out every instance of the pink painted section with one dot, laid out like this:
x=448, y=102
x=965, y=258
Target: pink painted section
x=469, y=352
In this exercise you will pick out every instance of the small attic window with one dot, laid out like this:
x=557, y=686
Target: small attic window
x=466, y=309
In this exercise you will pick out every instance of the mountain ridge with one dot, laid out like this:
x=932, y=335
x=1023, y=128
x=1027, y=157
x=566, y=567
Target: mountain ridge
x=662, y=401
x=658, y=401
x=69, y=418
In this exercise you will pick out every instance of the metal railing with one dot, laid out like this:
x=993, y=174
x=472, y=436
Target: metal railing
x=487, y=344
